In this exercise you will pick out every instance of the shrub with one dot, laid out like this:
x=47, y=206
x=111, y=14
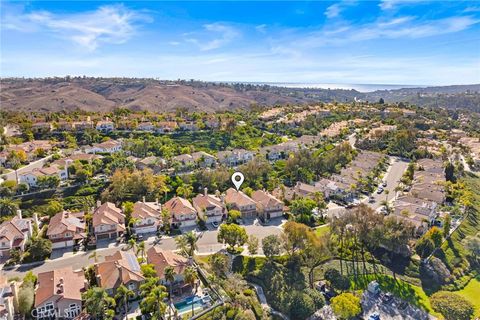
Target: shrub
x=452, y=306
x=346, y=306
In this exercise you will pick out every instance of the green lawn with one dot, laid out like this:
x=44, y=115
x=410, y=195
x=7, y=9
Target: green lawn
x=471, y=292
x=320, y=231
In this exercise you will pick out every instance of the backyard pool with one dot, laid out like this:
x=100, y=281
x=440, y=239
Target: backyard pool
x=186, y=305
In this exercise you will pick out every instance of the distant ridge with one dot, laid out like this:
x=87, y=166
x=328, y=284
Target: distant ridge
x=105, y=94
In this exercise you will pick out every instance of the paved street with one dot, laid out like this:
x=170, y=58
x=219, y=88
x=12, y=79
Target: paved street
x=206, y=244
x=33, y=165
x=392, y=176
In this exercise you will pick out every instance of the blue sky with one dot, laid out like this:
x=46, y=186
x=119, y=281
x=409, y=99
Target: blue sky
x=383, y=42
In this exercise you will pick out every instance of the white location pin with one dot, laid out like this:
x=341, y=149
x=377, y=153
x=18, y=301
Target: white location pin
x=237, y=179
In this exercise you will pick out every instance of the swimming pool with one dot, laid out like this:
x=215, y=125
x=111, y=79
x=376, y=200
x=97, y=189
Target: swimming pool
x=186, y=305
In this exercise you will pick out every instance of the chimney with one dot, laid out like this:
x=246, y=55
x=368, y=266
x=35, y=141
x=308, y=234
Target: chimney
x=86, y=284
x=14, y=288
x=205, y=191
x=119, y=268
x=35, y=219
x=143, y=199
x=156, y=201
x=99, y=203
x=65, y=214
x=19, y=214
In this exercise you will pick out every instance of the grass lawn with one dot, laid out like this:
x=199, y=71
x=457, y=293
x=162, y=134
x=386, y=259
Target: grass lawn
x=321, y=230
x=471, y=292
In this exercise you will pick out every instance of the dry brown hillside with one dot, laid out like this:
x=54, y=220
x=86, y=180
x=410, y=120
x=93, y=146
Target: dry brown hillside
x=92, y=94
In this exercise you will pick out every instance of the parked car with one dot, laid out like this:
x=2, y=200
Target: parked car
x=387, y=298
x=374, y=316
x=371, y=199
x=380, y=190
x=215, y=224
x=384, y=184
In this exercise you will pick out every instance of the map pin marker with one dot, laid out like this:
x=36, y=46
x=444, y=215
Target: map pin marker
x=237, y=179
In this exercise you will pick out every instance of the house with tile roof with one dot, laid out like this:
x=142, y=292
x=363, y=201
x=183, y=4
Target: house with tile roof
x=161, y=259
x=14, y=234
x=109, y=146
x=65, y=229
x=147, y=217
x=210, y=208
x=31, y=177
x=119, y=268
x=182, y=213
x=108, y=221
x=59, y=294
x=240, y=201
x=267, y=205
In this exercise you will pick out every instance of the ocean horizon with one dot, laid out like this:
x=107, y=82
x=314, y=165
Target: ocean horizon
x=345, y=86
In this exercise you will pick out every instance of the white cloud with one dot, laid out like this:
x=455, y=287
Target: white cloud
x=394, y=4
x=262, y=28
x=108, y=24
x=397, y=28
x=216, y=35
x=333, y=11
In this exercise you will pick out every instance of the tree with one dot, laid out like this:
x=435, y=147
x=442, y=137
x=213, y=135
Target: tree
x=252, y=244
x=233, y=216
x=185, y=191
x=337, y=280
x=153, y=302
x=39, y=249
x=98, y=304
x=452, y=306
x=191, y=277
x=141, y=249
x=187, y=243
x=122, y=295
x=232, y=234
x=315, y=254
x=436, y=235
x=472, y=244
x=346, y=305
x=169, y=274
x=148, y=270
x=295, y=236
x=26, y=298
x=424, y=247
x=219, y=264
x=8, y=207
x=271, y=246
x=301, y=305
x=447, y=224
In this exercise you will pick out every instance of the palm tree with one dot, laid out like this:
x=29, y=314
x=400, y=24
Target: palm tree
x=185, y=191
x=8, y=207
x=169, y=274
x=155, y=302
x=94, y=256
x=132, y=244
x=141, y=249
x=191, y=277
x=98, y=303
x=123, y=295
x=187, y=243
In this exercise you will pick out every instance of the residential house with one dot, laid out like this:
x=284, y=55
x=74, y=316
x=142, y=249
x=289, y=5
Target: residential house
x=58, y=294
x=82, y=157
x=83, y=125
x=161, y=259
x=14, y=234
x=184, y=160
x=109, y=146
x=122, y=267
x=42, y=127
x=105, y=126
x=267, y=205
x=233, y=158
x=240, y=201
x=166, y=126
x=157, y=164
x=108, y=221
x=188, y=126
x=210, y=208
x=146, y=126
x=147, y=217
x=65, y=229
x=204, y=159
x=8, y=298
x=182, y=213
x=54, y=170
